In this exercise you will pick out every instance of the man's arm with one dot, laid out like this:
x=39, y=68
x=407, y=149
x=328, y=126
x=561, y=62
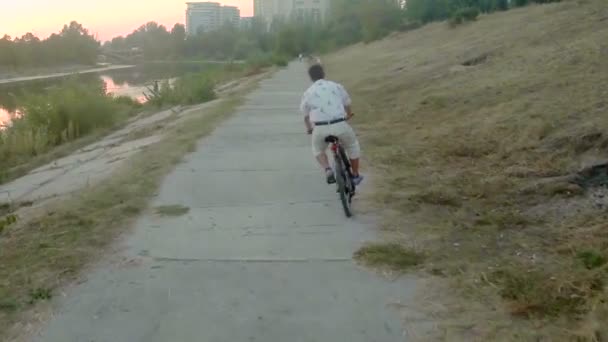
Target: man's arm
x=349, y=112
x=346, y=101
x=304, y=108
x=308, y=124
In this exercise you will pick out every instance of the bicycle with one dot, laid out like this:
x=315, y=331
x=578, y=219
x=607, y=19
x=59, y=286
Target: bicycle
x=343, y=173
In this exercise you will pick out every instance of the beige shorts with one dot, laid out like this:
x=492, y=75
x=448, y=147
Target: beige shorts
x=343, y=131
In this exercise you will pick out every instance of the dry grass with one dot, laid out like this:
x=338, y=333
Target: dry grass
x=172, y=210
x=391, y=255
x=41, y=253
x=475, y=156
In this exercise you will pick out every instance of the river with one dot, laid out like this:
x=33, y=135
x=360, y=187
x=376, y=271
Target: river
x=130, y=82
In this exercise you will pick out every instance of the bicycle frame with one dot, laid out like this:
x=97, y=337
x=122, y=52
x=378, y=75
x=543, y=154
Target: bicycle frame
x=338, y=150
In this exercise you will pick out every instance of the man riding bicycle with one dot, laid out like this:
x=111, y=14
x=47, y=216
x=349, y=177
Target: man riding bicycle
x=327, y=106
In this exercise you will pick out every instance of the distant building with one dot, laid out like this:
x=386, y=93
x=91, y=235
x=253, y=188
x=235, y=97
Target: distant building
x=270, y=10
x=258, y=7
x=246, y=23
x=230, y=14
x=202, y=16
x=314, y=10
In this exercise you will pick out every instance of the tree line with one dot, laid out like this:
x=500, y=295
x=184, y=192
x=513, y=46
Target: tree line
x=72, y=45
x=348, y=22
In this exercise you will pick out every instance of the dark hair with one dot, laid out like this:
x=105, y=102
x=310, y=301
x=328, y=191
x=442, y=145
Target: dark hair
x=316, y=72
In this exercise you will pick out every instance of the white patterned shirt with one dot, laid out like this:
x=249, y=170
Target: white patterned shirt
x=325, y=101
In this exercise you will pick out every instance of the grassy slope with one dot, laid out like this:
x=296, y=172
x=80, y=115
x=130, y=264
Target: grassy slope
x=468, y=157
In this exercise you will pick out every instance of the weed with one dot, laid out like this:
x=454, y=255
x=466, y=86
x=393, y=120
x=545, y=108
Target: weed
x=536, y=293
x=393, y=256
x=592, y=259
x=8, y=305
x=463, y=15
x=7, y=221
x=40, y=294
x=5, y=208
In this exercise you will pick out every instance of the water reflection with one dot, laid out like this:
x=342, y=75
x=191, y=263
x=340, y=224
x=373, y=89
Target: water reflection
x=5, y=117
x=123, y=88
x=126, y=82
x=117, y=86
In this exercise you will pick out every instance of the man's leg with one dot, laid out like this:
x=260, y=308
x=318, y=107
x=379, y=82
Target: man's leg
x=354, y=164
x=319, y=149
x=323, y=160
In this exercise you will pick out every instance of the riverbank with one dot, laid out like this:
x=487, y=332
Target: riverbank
x=11, y=80
x=77, y=108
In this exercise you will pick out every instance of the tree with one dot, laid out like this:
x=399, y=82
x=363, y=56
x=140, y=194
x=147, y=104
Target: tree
x=72, y=45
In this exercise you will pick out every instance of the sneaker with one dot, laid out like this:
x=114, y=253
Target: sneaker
x=331, y=178
x=358, y=179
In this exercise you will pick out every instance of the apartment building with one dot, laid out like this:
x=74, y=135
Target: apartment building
x=291, y=9
x=209, y=16
x=230, y=14
x=315, y=10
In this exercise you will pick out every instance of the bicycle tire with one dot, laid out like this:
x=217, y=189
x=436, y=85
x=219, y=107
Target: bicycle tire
x=350, y=185
x=341, y=180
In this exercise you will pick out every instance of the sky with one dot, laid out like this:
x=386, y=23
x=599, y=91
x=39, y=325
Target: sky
x=105, y=18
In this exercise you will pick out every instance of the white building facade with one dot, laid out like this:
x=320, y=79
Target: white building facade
x=202, y=16
x=270, y=10
x=230, y=14
x=209, y=16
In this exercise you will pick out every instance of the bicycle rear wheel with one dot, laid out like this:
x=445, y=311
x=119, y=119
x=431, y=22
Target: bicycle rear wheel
x=342, y=181
x=350, y=185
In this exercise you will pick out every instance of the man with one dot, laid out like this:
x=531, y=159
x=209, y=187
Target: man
x=326, y=106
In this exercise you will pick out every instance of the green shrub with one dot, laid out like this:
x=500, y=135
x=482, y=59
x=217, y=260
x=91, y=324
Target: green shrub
x=260, y=60
x=68, y=111
x=127, y=101
x=520, y=3
x=194, y=88
x=187, y=90
x=60, y=114
x=280, y=60
x=592, y=259
x=463, y=15
x=409, y=25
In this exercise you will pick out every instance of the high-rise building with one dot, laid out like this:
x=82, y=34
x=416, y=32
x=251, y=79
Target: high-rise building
x=315, y=10
x=291, y=9
x=230, y=14
x=246, y=23
x=258, y=8
x=202, y=16
x=270, y=9
x=209, y=16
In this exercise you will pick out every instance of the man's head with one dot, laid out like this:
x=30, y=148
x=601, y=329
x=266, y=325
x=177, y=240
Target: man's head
x=316, y=72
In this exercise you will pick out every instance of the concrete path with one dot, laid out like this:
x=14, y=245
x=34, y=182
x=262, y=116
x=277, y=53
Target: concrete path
x=265, y=253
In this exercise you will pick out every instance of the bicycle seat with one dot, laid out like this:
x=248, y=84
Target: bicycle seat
x=331, y=139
